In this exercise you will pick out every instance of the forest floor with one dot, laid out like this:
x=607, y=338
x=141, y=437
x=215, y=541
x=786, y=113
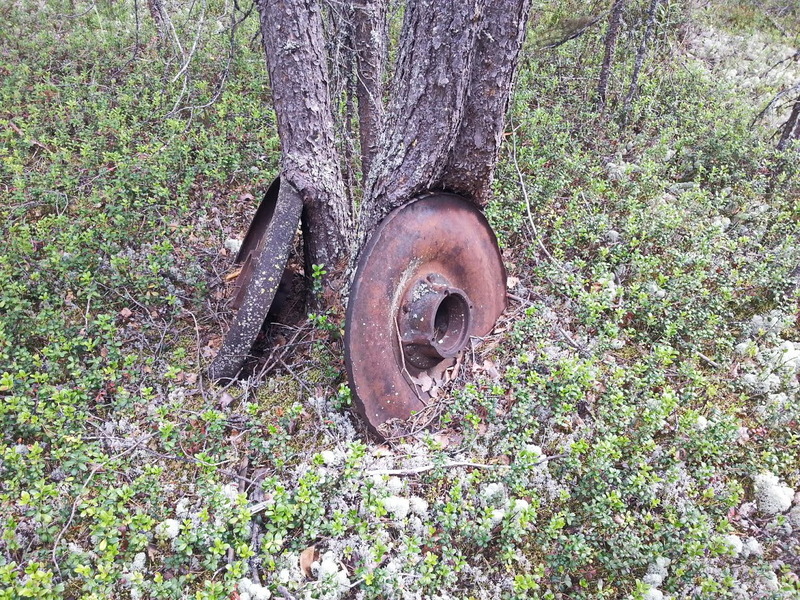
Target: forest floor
x=631, y=429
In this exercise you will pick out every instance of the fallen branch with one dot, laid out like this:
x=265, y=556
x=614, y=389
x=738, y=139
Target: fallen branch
x=576, y=33
x=711, y=362
x=32, y=141
x=774, y=101
x=450, y=465
x=568, y=338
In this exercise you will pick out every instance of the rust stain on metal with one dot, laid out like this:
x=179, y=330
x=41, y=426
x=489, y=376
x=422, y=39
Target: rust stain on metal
x=429, y=277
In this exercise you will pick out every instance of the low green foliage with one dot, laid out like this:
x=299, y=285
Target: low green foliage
x=603, y=444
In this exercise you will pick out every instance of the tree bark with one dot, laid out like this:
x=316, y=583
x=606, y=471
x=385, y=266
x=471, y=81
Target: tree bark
x=447, y=104
x=791, y=129
x=426, y=103
x=156, y=9
x=640, y=54
x=471, y=162
x=294, y=44
x=371, y=39
x=614, y=22
x=444, y=120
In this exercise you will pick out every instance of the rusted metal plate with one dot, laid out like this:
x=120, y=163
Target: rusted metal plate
x=430, y=277
x=253, y=242
x=264, y=253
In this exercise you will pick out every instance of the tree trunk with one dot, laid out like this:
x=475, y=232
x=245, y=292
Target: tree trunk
x=472, y=158
x=614, y=22
x=640, y=54
x=791, y=129
x=441, y=132
x=371, y=46
x=156, y=9
x=294, y=43
x=447, y=106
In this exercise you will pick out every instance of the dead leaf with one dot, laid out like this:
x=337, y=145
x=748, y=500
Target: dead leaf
x=491, y=370
x=448, y=438
x=440, y=373
x=488, y=368
x=424, y=381
x=512, y=282
x=126, y=313
x=191, y=378
x=246, y=197
x=232, y=275
x=307, y=557
x=225, y=400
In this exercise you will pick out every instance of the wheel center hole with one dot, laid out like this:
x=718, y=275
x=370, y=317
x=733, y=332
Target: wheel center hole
x=450, y=322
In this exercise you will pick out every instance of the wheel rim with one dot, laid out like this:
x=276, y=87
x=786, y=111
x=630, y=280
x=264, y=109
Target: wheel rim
x=429, y=277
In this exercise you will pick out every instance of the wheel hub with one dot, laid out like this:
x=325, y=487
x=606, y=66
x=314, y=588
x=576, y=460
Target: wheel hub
x=433, y=322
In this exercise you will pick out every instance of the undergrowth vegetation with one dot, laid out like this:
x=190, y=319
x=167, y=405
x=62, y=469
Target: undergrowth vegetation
x=630, y=430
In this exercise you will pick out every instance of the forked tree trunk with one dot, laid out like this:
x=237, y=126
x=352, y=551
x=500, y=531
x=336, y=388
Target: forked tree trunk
x=449, y=95
x=444, y=121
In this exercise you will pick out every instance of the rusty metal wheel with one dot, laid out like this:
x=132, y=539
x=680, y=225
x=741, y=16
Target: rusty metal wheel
x=430, y=277
x=263, y=256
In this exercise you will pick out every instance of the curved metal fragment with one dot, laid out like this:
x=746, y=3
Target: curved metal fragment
x=264, y=253
x=430, y=276
x=253, y=242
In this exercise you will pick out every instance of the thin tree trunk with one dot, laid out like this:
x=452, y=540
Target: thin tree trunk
x=614, y=22
x=640, y=54
x=791, y=129
x=371, y=46
x=294, y=43
x=450, y=91
x=472, y=158
x=157, y=13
